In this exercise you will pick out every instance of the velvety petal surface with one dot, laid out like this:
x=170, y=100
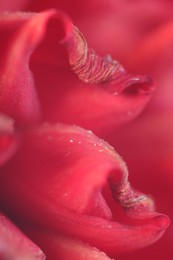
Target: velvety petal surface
x=18, y=95
x=51, y=37
x=48, y=55
x=104, y=97
x=69, y=180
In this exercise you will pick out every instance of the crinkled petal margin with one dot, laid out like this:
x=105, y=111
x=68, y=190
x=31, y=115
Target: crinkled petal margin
x=63, y=182
x=107, y=96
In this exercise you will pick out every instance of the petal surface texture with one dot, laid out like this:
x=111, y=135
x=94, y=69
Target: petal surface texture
x=69, y=180
x=52, y=66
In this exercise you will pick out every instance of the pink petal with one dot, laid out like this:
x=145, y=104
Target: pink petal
x=61, y=247
x=64, y=181
x=154, y=56
x=14, y=244
x=95, y=105
x=112, y=26
x=19, y=36
x=52, y=73
x=152, y=168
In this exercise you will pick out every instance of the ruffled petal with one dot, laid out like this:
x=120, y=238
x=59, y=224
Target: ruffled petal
x=64, y=182
x=14, y=244
x=112, y=26
x=107, y=98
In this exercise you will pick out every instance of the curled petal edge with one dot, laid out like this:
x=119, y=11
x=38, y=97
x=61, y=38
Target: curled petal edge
x=145, y=226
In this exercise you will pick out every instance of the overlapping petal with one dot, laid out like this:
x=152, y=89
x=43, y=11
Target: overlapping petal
x=154, y=55
x=15, y=245
x=74, y=180
x=112, y=27
x=69, y=101
x=61, y=247
x=95, y=105
x=18, y=95
x=64, y=182
x=151, y=167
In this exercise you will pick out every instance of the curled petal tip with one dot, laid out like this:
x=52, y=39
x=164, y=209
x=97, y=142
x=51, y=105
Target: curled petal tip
x=134, y=84
x=163, y=221
x=93, y=69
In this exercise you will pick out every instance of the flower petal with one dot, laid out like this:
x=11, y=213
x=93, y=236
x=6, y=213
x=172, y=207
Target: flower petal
x=18, y=39
x=96, y=105
x=152, y=168
x=64, y=180
x=61, y=247
x=112, y=26
x=154, y=55
x=15, y=245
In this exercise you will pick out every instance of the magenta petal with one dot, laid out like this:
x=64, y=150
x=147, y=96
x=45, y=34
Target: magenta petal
x=14, y=244
x=63, y=181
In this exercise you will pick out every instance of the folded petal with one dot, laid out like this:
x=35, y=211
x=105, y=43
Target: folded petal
x=106, y=97
x=116, y=96
x=112, y=26
x=61, y=173
x=14, y=244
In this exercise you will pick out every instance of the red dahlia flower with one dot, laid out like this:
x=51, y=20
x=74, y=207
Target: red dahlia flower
x=62, y=188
